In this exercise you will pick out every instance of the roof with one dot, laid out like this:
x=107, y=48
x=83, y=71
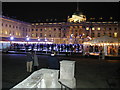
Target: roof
x=104, y=39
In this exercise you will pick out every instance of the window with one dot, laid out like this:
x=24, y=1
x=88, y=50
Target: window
x=110, y=34
x=59, y=34
x=98, y=28
x=50, y=35
x=13, y=26
x=2, y=24
x=104, y=28
x=36, y=29
x=32, y=29
x=104, y=33
x=98, y=34
x=36, y=35
x=109, y=28
x=54, y=29
x=13, y=32
x=115, y=28
x=45, y=29
x=115, y=34
x=9, y=25
x=93, y=28
x=40, y=34
x=32, y=35
x=16, y=33
x=87, y=28
x=6, y=25
x=64, y=35
x=16, y=26
x=40, y=29
x=6, y=32
x=93, y=34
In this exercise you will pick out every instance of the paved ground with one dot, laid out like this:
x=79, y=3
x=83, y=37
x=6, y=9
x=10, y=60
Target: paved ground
x=89, y=72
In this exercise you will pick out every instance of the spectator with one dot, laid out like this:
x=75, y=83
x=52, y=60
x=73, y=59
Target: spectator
x=29, y=61
x=35, y=62
x=53, y=62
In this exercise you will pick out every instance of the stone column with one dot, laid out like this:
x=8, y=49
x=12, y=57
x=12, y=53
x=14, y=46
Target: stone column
x=105, y=49
x=67, y=69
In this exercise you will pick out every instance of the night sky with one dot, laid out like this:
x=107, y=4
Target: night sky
x=40, y=11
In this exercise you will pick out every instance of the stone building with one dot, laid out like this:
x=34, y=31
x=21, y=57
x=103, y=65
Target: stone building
x=60, y=32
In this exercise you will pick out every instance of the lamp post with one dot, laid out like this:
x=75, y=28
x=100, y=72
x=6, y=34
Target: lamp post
x=11, y=39
x=46, y=44
x=27, y=39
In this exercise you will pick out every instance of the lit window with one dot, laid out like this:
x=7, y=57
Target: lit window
x=16, y=33
x=93, y=28
x=32, y=35
x=87, y=28
x=115, y=34
x=36, y=23
x=45, y=29
x=98, y=28
x=6, y=32
x=111, y=17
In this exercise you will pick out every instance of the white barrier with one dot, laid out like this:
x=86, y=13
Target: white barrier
x=43, y=78
x=67, y=73
x=48, y=78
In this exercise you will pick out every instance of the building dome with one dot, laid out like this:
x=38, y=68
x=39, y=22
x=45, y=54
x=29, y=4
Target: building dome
x=78, y=13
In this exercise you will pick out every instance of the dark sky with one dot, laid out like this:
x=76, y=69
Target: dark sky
x=39, y=11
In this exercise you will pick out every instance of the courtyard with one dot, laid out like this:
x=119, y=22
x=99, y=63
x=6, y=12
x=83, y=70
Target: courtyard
x=89, y=72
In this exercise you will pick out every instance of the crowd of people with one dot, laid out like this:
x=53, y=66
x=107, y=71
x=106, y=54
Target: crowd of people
x=48, y=47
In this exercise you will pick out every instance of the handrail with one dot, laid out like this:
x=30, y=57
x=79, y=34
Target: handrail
x=66, y=87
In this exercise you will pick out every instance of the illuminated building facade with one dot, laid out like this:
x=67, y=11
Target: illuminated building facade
x=59, y=33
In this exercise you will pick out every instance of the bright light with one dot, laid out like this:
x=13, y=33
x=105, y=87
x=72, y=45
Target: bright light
x=98, y=28
x=11, y=38
x=71, y=35
x=93, y=28
x=87, y=28
x=5, y=32
x=83, y=34
x=115, y=34
x=28, y=39
x=38, y=39
x=45, y=39
x=27, y=36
